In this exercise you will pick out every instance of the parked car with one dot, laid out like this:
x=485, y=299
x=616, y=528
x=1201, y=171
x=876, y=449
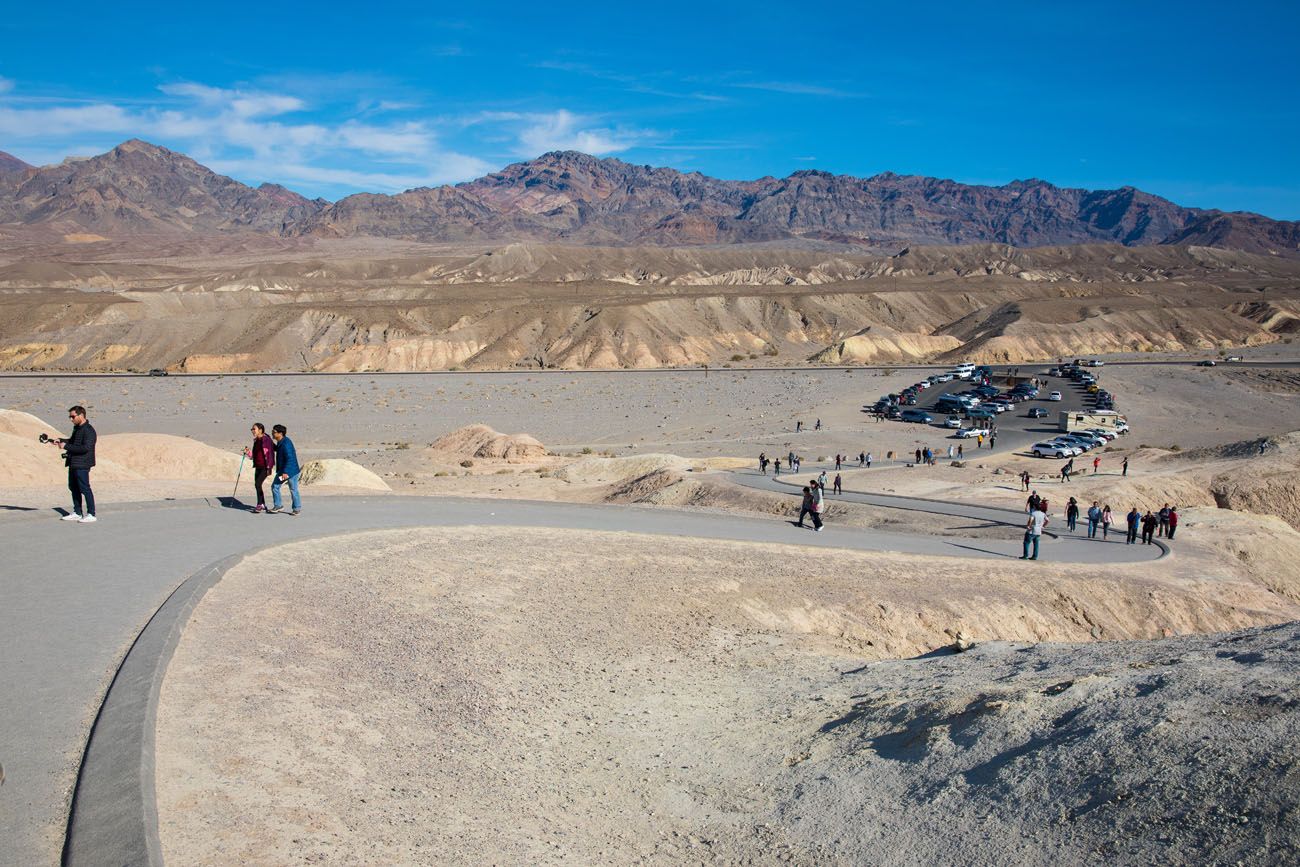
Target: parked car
x=1051, y=450
x=969, y=432
x=953, y=421
x=1056, y=395
x=980, y=412
x=944, y=377
x=1038, y=412
x=916, y=415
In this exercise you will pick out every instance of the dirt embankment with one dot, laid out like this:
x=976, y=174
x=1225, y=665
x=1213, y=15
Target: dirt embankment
x=385, y=701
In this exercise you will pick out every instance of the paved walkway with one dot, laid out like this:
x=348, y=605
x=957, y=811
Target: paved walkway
x=77, y=596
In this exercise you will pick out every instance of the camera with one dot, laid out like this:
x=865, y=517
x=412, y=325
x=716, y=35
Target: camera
x=44, y=438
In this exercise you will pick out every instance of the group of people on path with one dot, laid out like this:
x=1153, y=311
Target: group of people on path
x=270, y=454
x=1150, y=525
x=274, y=454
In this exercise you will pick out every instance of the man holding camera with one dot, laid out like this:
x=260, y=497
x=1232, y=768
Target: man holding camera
x=79, y=456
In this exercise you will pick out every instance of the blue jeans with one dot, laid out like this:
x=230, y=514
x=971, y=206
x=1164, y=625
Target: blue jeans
x=1092, y=529
x=1030, y=538
x=293, y=493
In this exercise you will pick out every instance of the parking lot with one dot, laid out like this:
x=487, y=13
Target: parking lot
x=1016, y=431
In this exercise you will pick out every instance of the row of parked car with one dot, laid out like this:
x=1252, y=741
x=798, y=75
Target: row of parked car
x=1102, y=399
x=1077, y=442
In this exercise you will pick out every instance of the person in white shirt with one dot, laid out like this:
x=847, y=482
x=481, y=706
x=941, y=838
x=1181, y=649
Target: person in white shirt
x=1034, y=532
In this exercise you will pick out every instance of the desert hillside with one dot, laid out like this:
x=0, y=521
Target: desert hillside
x=349, y=306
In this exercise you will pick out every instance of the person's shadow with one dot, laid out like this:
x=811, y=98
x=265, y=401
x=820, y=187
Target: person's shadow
x=234, y=503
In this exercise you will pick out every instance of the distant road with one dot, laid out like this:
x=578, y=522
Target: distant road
x=1029, y=366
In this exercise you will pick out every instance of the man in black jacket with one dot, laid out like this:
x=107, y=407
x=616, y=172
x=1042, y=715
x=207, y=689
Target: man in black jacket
x=79, y=455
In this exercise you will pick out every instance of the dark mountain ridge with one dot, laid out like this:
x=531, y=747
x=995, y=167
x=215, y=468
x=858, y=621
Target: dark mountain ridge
x=573, y=197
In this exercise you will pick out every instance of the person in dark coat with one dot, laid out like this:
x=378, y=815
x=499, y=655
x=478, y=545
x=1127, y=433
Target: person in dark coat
x=262, y=453
x=1134, y=518
x=1149, y=524
x=286, y=470
x=79, y=457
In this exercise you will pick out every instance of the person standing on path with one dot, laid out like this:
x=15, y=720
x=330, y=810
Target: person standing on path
x=960, y=451
x=79, y=458
x=868, y=460
x=1096, y=462
x=862, y=459
x=993, y=440
x=1034, y=533
x=1072, y=515
x=1149, y=524
x=1163, y=516
x=821, y=480
x=762, y=462
x=1134, y=518
x=1094, y=518
x=776, y=466
x=818, y=425
x=1124, y=466
x=1173, y=521
x=979, y=441
x=918, y=458
x=838, y=462
x=1106, y=520
x=262, y=451
x=287, y=470
x=839, y=484
x=818, y=505
x=798, y=426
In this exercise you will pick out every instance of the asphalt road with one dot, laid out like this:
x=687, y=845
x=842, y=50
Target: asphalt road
x=76, y=598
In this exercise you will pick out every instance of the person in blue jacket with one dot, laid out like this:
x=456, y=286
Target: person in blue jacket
x=286, y=470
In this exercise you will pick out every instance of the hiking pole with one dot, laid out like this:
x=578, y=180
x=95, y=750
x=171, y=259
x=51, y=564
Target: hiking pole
x=238, y=474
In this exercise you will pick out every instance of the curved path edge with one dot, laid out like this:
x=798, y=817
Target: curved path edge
x=114, y=813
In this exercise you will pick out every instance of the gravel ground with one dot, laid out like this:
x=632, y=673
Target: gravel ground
x=437, y=696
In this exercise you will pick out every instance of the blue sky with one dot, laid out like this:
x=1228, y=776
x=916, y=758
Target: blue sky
x=1193, y=101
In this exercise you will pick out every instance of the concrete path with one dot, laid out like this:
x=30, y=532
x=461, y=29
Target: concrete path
x=76, y=597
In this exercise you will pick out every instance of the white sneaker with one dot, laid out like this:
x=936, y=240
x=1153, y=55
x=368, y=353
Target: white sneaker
x=89, y=519
x=71, y=516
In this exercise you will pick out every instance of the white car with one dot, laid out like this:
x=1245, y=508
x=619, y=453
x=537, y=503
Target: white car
x=1056, y=395
x=952, y=421
x=944, y=377
x=1121, y=427
x=1107, y=435
x=923, y=384
x=1233, y=358
x=1051, y=450
x=968, y=432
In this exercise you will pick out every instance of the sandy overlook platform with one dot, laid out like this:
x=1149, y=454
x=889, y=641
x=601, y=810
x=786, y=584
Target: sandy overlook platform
x=426, y=694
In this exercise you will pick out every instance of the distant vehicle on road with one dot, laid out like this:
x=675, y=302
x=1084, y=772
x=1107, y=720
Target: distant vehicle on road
x=1056, y=395
x=1038, y=412
x=1209, y=362
x=1233, y=358
x=157, y=371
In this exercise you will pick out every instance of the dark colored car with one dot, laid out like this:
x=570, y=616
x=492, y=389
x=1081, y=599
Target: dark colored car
x=917, y=415
x=157, y=371
x=1038, y=412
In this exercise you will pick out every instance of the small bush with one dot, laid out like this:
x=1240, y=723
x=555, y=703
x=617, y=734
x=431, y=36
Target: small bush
x=401, y=446
x=504, y=472
x=771, y=351
x=586, y=450
x=467, y=463
x=737, y=358
x=440, y=473
x=1175, y=448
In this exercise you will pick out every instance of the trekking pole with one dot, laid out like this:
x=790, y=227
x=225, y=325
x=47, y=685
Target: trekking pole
x=238, y=474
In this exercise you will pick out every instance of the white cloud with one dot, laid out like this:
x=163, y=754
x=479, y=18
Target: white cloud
x=563, y=130
x=6, y=84
x=258, y=135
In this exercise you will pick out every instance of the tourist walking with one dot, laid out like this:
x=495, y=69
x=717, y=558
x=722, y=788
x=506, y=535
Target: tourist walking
x=798, y=426
x=262, y=453
x=818, y=425
x=762, y=462
x=1163, y=515
x=1124, y=466
x=960, y=451
x=806, y=508
x=776, y=467
x=838, y=484
x=1096, y=462
x=1024, y=482
x=818, y=505
x=1032, y=503
x=1033, y=533
x=1149, y=524
x=1134, y=518
x=918, y=457
x=868, y=460
x=287, y=470
x=838, y=459
x=1173, y=521
x=1072, y=515
x=1094, y=519
x=79, y=458
x=1106, y=520
x=821, y=479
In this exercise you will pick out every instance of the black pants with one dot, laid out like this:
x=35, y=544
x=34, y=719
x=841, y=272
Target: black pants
x=260, y=476
x=1132, y=535
x=1147, y=534
x=1172, y=529
x=79, y=485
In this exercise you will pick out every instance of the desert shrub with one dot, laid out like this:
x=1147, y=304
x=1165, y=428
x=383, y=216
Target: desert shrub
x=401, y=446
x=467, y=463
x=770, y=351
x=737, y=358
x=440, y=473
x=586, y=450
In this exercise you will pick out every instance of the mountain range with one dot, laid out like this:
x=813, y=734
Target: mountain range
x=565, y=196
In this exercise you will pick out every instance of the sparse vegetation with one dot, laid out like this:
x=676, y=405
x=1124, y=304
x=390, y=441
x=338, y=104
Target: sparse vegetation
x=467, y=463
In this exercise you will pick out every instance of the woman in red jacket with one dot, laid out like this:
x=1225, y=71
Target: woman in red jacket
x=263, y=454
